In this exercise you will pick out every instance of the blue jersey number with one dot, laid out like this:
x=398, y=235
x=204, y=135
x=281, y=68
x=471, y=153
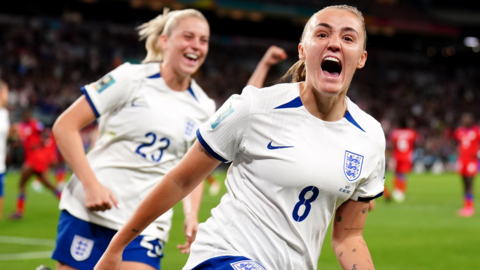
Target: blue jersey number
x=160, y=149
x=305, y=202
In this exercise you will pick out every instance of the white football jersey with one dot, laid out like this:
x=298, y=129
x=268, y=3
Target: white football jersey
x=145, y=128
x=290, y=171
x=4, y=127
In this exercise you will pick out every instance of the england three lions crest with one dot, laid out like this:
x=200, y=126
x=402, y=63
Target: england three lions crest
x=81, y=248
x=352, y=165
x=246, y=265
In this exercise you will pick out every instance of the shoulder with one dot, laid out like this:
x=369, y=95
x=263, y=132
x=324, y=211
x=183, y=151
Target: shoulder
x=202, y=97
x=139, y=71
x=269, y=98
x=370, y=125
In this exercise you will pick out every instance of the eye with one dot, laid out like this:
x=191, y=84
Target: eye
x=188, y=37
x=348, y=39
x=322, y=35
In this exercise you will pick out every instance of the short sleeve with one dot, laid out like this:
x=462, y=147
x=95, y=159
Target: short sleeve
x=110, y=91
x=372, y=187
x=222, y=134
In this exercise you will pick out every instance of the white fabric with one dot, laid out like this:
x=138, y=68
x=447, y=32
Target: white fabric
x=4, y=127
x=277, y=154
x=145, y=128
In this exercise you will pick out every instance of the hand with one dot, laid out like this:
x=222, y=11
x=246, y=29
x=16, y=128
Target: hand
x=274, y=55
x=109, y=261
x=99, y=198
x=191, y=228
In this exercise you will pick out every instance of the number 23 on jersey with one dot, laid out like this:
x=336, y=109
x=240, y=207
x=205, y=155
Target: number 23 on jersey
x=156, y=156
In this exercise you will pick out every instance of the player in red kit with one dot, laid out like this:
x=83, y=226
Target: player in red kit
x=468, y=136
x=36, y=160
x=403, y=144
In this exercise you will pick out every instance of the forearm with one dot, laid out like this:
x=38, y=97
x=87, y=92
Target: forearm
x=353, y=253
x=70, y=145
x=191, y=203
x=258, y=77
x=170, y=192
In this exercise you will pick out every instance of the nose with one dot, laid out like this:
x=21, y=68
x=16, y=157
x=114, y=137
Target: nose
x=195, y=44
x=334, y=44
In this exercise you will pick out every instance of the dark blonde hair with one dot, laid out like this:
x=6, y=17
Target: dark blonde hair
x=298, y=72
x=162, y=24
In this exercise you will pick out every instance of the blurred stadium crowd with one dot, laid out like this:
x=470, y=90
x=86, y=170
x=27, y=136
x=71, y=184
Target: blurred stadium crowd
x=45, y=60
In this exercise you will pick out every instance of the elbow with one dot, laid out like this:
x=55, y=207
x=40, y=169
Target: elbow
x=57, y=128
x=336, y=243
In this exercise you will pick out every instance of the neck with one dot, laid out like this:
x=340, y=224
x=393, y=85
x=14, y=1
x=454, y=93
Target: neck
x=326, y=108
x=174, y=80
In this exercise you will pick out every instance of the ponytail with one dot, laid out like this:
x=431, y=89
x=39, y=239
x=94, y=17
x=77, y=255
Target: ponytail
x=297, y=71
x=162, y=24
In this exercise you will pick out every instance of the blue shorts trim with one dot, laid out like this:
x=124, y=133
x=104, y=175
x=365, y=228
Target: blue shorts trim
x=229, y=263
x=2, y=183
x=80, y=244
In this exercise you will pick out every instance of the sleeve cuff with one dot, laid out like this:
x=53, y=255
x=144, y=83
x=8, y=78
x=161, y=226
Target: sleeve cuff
x=208, y=148
x=85, y=93
x=367, y=199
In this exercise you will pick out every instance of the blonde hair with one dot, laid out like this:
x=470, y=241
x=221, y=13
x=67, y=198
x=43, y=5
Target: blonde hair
x=298, y=70
x=162, y=24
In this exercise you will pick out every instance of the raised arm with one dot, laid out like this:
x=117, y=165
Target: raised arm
x=273, y=56
x=67, y=135
x=177, y=184
x=347, y=236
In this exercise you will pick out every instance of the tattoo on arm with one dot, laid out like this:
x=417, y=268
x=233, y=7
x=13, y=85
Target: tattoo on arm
x=354, y=267
x=135, y=230
x=200, y=148
x=341, y=253
x=339, y=218
x=352, y=229
x=354, y=250
x=365, y=210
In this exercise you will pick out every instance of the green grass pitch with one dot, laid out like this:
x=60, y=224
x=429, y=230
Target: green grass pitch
x=421, y=233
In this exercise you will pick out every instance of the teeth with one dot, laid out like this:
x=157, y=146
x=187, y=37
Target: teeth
x=329, y=58
x=192, y=56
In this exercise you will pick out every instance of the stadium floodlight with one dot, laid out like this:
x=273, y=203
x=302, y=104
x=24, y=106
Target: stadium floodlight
x=471, y=42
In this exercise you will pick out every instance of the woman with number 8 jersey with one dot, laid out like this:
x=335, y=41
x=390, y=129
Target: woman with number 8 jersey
x=147, y=115
x=301, y=153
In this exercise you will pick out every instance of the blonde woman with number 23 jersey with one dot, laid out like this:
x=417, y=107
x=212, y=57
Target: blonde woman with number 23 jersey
x=148, y=115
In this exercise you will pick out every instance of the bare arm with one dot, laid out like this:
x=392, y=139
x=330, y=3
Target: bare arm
x=177, y=184
x=67, y=135
x=347, y=239
x=273, y=56
x=3, y=95
x=191, y=206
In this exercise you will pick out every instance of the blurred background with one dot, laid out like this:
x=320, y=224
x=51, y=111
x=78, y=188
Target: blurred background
x=423, y=55
x=423, y=64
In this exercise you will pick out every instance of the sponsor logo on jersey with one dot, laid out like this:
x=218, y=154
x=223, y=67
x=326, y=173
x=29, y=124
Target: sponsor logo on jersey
x=247, y=265
x=81, y=248
x=352, y=165
x=271, y=147
x=103, y=83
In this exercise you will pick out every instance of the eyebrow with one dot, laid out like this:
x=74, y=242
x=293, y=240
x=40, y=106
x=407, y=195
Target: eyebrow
x=345, y=29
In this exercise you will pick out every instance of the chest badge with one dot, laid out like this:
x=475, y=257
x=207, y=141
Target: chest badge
x=352, y=165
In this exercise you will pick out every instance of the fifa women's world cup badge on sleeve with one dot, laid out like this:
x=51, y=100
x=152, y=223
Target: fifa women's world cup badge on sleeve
x=223, y=112
x=352, y=165
x=103, y=83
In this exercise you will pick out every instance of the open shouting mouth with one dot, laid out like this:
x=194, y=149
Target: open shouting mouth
x=331, y=67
